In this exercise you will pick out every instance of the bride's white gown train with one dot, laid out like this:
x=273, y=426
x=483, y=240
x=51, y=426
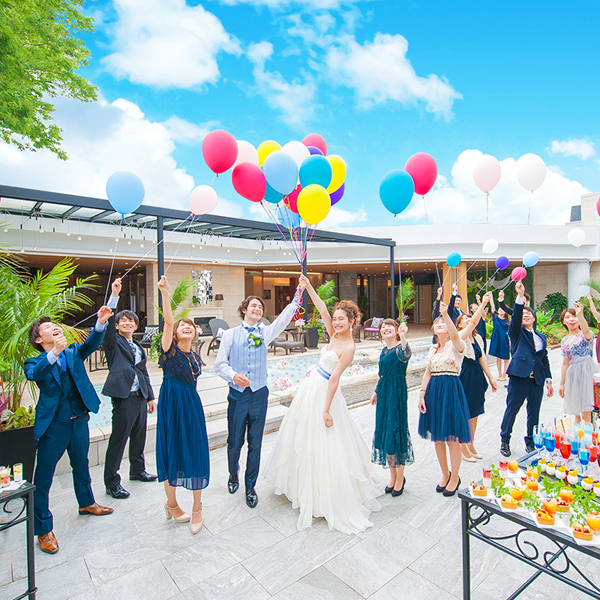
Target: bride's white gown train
x=324, y=471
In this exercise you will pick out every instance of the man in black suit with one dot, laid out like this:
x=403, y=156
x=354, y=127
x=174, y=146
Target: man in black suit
x=128, y=385
x=455, y=304
x=528, y=370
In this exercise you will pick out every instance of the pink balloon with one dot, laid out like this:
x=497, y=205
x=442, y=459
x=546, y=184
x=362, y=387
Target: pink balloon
x=219, y=150
x=518, y=273
x=202, y=200
x=249, y=181
x=422, y=168
x=598, y=207
x=291, y=200
x=316, y=140
x=486, y=173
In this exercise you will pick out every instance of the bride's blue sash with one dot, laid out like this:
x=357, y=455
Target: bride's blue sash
x=323, y=373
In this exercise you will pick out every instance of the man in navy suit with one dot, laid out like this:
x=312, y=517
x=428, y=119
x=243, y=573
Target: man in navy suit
x=528, y=370
x=67, y=396
x=455, y=304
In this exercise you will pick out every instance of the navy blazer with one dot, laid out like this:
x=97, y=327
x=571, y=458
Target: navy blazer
x=524, y=357
x=452, y=310
x=47, y=377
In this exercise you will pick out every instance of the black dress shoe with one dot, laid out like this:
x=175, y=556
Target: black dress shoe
x=449, y=493
x=117, y=491
x=529, y=448
x=143, y=476
x=505, y=449
x=251, y=498
x=439, y=488
x=396, y=493
x=233, y=484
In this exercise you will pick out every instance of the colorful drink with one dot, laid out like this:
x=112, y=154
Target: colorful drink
x=565, y=449
x=550, y=444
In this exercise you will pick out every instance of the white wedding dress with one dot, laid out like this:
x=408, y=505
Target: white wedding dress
x=324, y=471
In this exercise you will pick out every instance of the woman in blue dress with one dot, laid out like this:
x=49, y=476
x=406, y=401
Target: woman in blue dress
x=392, y=446
x=500, y=343
x=182, y=457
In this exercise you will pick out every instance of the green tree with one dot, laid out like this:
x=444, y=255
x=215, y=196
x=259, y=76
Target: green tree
x=39, y=54
x=405, y=298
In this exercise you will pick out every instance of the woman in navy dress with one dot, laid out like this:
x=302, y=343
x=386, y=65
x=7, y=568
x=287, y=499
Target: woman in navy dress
x=392, y=446
x=500, y=343
x=181, y=441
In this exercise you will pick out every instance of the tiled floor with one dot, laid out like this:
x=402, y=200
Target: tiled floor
x=411, y=552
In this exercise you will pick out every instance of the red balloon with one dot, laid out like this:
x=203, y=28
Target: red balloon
x=291, y=200
x=518, y=273
x=219, y=150
x=249, y=181
x=316, y=140
x=598, y=207
x=422, y=168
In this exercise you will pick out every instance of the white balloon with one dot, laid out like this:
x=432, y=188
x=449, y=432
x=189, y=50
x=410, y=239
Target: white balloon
x=490, y=246
x=297, y=150
x=531, y=171
x=576, y=237
x=203, y=199
x=486, y=173
x=246, y=153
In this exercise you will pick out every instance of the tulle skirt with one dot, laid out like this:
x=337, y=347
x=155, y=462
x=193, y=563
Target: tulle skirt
x=475, y=385
x=182, y=456
x=447, y=416
x=579, y=386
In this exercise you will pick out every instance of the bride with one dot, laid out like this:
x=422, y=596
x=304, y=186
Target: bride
x=320, y=461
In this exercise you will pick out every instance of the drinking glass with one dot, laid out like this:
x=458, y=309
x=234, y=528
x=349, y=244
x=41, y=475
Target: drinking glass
x=593, y=458
x=503, y=464
x=584, y=458
x=550, y=443
x=538, y=442
x=565, y=450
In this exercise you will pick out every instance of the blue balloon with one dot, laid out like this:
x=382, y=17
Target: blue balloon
x=531, y=259
x=453, y=259
x=125, y=192
x=287, y=218
x=272, y=195
x=315, y=150
x=396, y=191
x=315, y=169
x=502, y=262
x=281, y=172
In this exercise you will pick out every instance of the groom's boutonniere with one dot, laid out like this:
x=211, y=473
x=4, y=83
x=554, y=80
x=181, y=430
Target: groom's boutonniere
x=255, y=340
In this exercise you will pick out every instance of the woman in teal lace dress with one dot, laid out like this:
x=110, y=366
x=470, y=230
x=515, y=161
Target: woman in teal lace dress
x=391, y=442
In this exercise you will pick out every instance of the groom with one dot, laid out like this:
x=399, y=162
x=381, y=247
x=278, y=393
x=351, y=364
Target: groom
x=242, y=362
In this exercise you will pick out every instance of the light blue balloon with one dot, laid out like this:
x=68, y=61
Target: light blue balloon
x=125, y=192
x=396, y=191
x=287, y=218
x=315, y=170
x=272, y=195
x=453, y=259
x=531, y=259
x=281, y=172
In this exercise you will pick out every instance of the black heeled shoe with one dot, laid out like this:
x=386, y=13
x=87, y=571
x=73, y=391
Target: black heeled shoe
x=389, y=490
x=448, y=494
x=439, y=489
x=396, y=493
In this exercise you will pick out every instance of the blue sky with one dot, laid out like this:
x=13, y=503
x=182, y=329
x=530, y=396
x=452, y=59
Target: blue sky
x=380, y=80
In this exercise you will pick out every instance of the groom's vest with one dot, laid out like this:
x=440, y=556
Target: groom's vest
x=248, y=360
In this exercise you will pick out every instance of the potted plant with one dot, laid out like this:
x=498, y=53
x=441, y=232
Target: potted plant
x=405, y=299
x=314, y=329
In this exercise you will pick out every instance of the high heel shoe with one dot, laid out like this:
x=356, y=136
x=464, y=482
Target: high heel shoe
x=439, y=489
x=388, y=489
x=184, y=518
x=196, y=527
x=396, y=493
x=448, y=493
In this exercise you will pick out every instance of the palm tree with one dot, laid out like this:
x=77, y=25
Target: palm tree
x=405, y=299
x=326, y=292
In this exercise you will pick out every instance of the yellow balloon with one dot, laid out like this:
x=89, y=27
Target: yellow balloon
x=338, y=167
x=313, y=203
x=265, y=149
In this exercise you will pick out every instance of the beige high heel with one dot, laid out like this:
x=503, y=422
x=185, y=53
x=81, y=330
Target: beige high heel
x=196, y=527
x=184, y=518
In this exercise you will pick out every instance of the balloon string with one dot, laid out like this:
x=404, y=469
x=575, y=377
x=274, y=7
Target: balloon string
x=488, y=281
x=432, y=245
x=112, y=263
x=464, y=274
x=400, y=289
x=487, y=207
x=181, y=242
x=213, y=180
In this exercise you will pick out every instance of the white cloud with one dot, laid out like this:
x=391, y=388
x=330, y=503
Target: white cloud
x=458, y=200
x=580, y=148
x=227, y=208
x=167, y=43
x=185, y=132
x=379, y=71
x=339, y=217
x=284, y=4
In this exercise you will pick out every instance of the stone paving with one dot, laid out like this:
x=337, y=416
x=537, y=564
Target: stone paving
x=411, y=552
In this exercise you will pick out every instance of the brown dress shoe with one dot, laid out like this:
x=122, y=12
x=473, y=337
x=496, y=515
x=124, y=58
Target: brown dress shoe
x=95, y=509
x=48, y=543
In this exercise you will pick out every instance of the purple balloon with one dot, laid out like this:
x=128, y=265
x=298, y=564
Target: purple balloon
x=315, y=150
x=502, y=262
x=337, y=195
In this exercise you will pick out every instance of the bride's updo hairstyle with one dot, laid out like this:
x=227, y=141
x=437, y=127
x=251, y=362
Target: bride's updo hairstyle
x=351, y=309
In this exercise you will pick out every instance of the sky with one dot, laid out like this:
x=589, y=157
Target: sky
x=380, y=80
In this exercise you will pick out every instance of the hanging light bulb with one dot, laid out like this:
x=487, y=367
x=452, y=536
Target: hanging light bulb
x=41, y=229
x=193, y=245
x=35, y=247
x=129, y=242
x=22, y=250
x=6, y=230
x=78, y=238
x=68, y=234
x=142, y=245
x=116, y=239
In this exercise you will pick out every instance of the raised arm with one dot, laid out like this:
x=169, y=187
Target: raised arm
x=583, y=324
x=516, y=323
x=455, y=338
x=319, y=304
x=502, y=304
x=492, y=305
x=594, y=309
x=468, y=330
x=167, y=336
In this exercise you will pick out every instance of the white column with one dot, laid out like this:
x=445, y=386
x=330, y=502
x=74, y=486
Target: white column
x=578, y=272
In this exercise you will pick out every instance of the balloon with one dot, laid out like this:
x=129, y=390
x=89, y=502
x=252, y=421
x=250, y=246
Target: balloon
x=598, y=207
x=338, y=167
x=265, y=149
x=576, y=237
x=531, y=259
x=298, y=151
x=249, y=181
x=272, y=195
x=288, y=219
x=314, y=139
x=486, y=173
x=453, y=259
x=315, y=150
x=489, y=246
x=202, y=200
x=337, y=195
x=219, y=150
x=518, y=273
x=422, y=168
x=502, y=262
x=531, y=171
x=291, y=200
x=125, y=192
x=246, y=153
x=313, y=204
x=281, y=172
x=316, y=170
x=396, y=190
